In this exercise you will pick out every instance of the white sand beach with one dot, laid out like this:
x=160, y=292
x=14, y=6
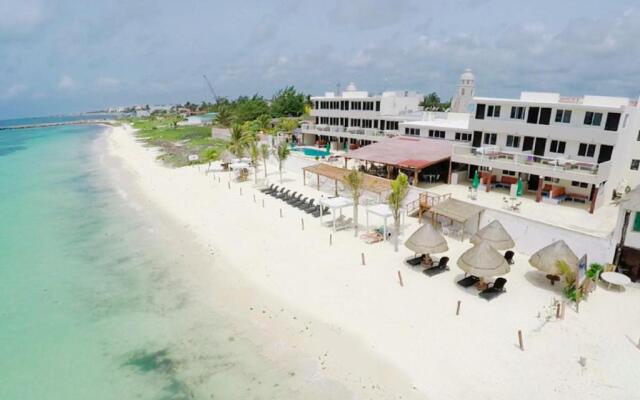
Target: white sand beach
x=383, y=340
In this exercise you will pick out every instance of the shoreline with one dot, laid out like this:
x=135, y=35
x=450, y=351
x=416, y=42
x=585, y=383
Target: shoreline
x=330, y=362
x=412, y=329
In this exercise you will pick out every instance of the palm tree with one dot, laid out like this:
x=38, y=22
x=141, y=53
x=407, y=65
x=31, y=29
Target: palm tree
x=431, y=102
x=399, y=190
x=224, y=117
x=209, y=155
x=282, y=153
x=237, y=141
x=354, y=181
x=254, y=154
x=263, y=122
x=264, y=154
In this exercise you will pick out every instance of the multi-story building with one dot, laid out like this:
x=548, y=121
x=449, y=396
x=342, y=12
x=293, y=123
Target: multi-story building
x=359, y=118
x=563, y=148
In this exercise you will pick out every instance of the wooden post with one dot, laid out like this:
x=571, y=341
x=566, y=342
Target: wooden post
x=262, y=203
x=229, y=185
x=318, y=180
x=400, y=279
x=415, y=177
x=302, y=222
x=336, y=188
x=558, y=311
x=330, y=239
x=520, y=340
x=240, y=191
x=458, y=308
x=218, y=179
x=362, y=256
x=539, y=191
x=281, y=213
x=254, y=198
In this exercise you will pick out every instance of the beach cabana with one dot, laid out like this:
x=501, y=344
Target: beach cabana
x=427, y=240
x=335, y=204
x=227, y=157
x=464, y=217
x=383, y=211
x=483, y=261
x=546, y=259
x=237, y=166
x=495, y=235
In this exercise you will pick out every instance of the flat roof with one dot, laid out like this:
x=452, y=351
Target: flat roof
x=404, y=152
x=557, y=99
x=372, y=183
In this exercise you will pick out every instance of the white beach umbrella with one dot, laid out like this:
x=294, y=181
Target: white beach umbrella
x=226, y=157
x=483, y=261
x=495, y=235
x=426, y=240
x=546, y=259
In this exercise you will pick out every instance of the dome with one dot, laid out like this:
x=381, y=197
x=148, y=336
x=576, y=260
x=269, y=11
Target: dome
x=351, y=87
x=467, y=75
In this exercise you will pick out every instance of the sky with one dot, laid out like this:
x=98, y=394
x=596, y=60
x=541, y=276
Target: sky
x=63, y=56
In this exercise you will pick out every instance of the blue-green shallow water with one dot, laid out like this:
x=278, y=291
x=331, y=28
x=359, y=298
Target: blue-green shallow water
x=95, y=300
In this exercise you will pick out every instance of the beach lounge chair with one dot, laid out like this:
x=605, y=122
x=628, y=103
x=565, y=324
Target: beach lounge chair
x=309, y=206
x=267, y=189
x=288, y=197
x=303, y=204
x=312, y=209
x=468, y=281
x=316, y=213
x=275, y=193
x=508, y=255
x=496, y=288
x=293, y=199
x=436, y=269
x=283, y=194
x=299, y=201
x=415, y=261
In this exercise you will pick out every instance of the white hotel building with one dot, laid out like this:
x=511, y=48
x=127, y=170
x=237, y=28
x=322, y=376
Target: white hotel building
x=578, y=149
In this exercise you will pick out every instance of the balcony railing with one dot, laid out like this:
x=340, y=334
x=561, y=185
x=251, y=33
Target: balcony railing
x=329, y=129
x=493, y=155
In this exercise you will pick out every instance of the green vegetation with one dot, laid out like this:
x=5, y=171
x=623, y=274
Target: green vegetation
x=354, y=181
x=177, y=142
x=431, y=102
x=282, y=153
x=399, y=190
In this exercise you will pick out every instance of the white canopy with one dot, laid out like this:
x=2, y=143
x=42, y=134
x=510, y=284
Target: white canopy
x=495, y=235
x=239, y=165
x=546, y=259
x=335, y=203
x=384, y=211
x=483, y=261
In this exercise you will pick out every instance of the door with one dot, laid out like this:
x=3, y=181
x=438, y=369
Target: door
x=541, y=144
x=472, y=171
x=605, y=153
x=527, y=144
x=534, y=180
x=477, y=139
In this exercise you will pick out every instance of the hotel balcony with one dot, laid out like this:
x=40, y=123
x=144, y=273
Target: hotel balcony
x=347, y=133
x=561, y=168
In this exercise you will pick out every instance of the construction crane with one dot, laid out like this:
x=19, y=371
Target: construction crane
x=213, y=92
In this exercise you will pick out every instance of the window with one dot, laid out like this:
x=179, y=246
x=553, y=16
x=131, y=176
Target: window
x=563, y=116
x=636, y=222
x=613, y=120
x=490, y=138
x=378, y=105
x=557, y=146
x=463, y=137
x=552, y=180
x=638, y=136
x=510, y=173
x=493, y=111
x=579, y=184
x=356, y=105
x=587, y=150
x=480, y=111
x=412, y=131
x=436, y=134
x=517, y=112
x=367, y=123
x=592, y=118
x=635, y=165
x=539, y=115
x=513, y=141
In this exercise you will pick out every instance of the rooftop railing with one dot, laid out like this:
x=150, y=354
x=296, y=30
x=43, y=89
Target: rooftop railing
x=328, y=129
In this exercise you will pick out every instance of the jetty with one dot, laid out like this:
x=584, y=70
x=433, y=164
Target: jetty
x=60, y=123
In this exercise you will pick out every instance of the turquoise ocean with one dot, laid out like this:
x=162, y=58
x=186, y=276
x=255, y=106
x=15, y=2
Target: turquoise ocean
x=91, y=306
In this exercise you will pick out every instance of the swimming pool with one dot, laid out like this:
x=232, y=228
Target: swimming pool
x=310, y=151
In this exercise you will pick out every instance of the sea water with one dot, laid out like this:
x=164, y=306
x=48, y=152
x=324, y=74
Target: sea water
x=92, y=300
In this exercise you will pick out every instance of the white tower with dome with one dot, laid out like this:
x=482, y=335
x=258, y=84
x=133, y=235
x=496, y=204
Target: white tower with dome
x=464, y=94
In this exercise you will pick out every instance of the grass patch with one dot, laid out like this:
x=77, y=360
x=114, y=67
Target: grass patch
x=175, y=142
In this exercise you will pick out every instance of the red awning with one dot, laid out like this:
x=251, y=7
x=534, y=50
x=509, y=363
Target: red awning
x=405, y=152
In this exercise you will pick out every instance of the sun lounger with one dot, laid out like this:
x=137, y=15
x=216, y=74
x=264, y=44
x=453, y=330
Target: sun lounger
x=508, y=255
x=415, y=261
x=303, y=204
x=316, y=213
x=309, y=208
x=267, y=189
x=278, y=192
x=441, y=267
x=283, y=194
x=494, y=289
x=293, y=199
x=468, y=281
x=299, y=201
x=348, y=223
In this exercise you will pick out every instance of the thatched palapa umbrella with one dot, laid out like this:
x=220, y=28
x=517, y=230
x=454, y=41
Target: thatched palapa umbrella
x=495, y=235
x=483, y=261
x=546, y=259
x=426, y=240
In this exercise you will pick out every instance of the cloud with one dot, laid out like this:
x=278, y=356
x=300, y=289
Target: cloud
x=369, y=14
x=20, y=18
x=13, y=91
x=67, y=83
x=107, y=83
